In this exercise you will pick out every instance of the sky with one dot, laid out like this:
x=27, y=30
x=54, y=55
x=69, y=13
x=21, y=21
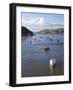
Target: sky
x=40, y=21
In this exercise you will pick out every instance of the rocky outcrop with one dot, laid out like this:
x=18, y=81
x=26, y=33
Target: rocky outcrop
x=26, y=32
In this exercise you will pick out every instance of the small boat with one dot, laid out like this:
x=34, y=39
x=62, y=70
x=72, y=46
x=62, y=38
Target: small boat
x=47, y=48
x=51, y=39
x=52, y=62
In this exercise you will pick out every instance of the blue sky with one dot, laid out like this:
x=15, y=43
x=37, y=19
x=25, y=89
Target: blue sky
x=39, y=21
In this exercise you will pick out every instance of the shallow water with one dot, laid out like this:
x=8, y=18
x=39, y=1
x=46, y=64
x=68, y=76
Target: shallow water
x=35, y=59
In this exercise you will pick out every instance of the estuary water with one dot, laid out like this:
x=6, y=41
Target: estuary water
x=35, y=58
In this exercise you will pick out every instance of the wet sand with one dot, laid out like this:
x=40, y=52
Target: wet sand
x=38, y=69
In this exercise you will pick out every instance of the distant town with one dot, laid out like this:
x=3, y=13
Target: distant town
x=26, y=31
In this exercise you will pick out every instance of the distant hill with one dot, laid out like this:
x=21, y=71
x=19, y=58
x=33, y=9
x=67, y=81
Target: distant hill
x=45, y=31
x=26, y=32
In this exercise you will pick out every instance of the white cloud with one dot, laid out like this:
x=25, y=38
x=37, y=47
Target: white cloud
x=39, y=21
x=34, y=21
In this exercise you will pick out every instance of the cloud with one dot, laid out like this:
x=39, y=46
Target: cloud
x=34, y=21
x=39, y=21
